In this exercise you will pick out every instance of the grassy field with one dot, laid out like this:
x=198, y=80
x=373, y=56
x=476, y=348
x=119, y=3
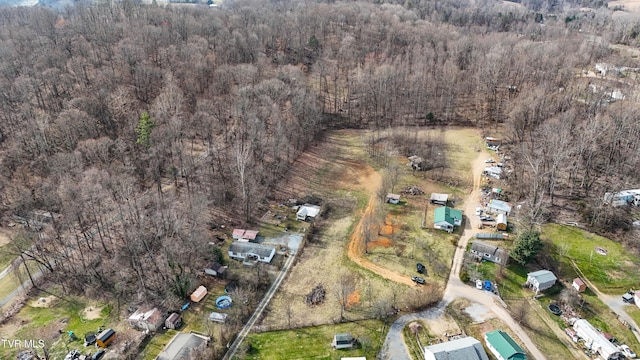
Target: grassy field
x=613, y=274
x=315, y=342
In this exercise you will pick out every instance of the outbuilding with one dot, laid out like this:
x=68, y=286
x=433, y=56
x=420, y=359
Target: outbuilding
x=174, y=321
x=501, y=222
x=105, y=338
x=342, y=341
x=307, y=212
x=439, y=199
x=215, y=269
x=541, y=280
x=393, y=198
x=579, y=285
x=199, y=294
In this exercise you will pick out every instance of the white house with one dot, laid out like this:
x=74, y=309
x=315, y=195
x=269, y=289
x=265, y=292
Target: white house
x=146, y=320
x=307, y=212
x=541, y=280
x=595, y=341
x=466, y=348
x=503, y=347
x=251, y=251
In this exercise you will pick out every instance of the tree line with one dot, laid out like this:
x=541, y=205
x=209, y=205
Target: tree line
x=143, y=126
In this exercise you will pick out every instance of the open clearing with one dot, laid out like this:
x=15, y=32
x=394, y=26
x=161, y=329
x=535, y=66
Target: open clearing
x=613, y=274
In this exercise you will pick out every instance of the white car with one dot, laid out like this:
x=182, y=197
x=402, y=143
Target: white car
x=479, y=211
x=627, y=352
x=489, y=161
x=479, y=284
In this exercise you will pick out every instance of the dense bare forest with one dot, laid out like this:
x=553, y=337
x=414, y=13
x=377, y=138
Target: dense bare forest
x=140, y=126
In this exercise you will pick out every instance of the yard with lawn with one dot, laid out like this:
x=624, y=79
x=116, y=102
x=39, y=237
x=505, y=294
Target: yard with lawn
x=607, y=264
x=315, y=342
x=50, y=319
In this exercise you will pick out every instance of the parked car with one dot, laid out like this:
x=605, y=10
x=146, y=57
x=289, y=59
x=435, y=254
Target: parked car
x=479, y=211
x=487, y=285
x=479, y=284
x=489, y=161
x=420, y=268
x=628, y=298
x=627, y=352
x=418, y=280
x=98, y=354
x=487, y=218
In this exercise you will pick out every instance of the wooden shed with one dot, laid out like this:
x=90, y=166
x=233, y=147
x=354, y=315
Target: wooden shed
x=579, y=285
x=104, y=338
x=173, y=321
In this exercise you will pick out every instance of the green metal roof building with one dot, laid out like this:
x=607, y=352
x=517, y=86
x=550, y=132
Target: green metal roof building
x=503, y=346
x=446, y=218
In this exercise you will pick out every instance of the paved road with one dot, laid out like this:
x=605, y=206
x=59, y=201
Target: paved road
x=261, y=306
x=394, y=347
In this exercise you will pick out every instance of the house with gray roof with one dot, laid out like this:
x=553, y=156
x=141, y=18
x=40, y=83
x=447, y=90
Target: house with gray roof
x=251, y=251
x=541, y=280
x=466, y=348
x=486, y=251
x=499, y=207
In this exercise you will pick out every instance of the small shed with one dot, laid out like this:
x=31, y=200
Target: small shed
x=307, y=212
x=244, y=235
x=501, y=222
x=579, y=285
x=218, y=317
x=174, y=321
x=105, y=338
x=342, y=341
x=439, y=199
x=215, y=269
x=199, y=294
x=392, y=198
x=499, y=207
x=541, y=280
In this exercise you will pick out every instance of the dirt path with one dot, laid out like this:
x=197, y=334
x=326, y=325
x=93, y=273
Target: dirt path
x=394, y=346
x=371, y=184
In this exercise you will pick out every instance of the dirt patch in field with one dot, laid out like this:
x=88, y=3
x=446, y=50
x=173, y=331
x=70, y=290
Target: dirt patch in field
x=380, y=242
x=91, y=313
x=441, y=326
x=353, y=298
x=5, y=237
x=44, y=302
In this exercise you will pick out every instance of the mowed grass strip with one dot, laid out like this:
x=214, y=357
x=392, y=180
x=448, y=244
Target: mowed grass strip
x=613, y=273
x=315, y=342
